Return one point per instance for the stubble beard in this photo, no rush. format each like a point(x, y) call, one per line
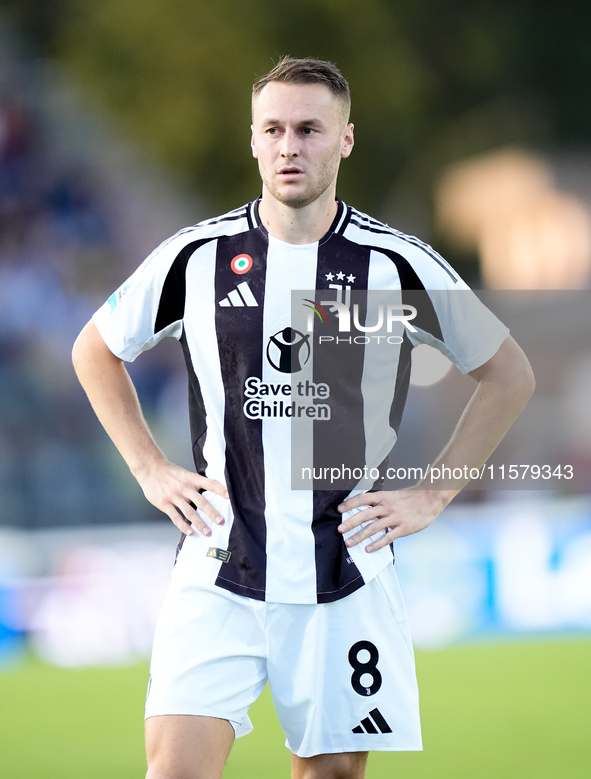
point(324, 181)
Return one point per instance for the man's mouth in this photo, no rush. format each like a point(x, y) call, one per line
point(290, 172)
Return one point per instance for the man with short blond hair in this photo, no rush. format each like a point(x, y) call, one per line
point(294, 587)
point(307, 71)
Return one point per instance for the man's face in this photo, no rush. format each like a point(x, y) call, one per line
point(299, 135)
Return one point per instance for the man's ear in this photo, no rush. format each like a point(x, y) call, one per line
point(348, 141)
point(254, 153)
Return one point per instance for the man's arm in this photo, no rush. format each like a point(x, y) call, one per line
point(171, 489)
point(505, 384)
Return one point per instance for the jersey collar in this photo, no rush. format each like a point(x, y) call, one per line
point(338, 224)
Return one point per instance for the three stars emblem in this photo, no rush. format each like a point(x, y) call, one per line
point(340, 276)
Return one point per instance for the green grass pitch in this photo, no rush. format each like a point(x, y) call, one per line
point(518, 710)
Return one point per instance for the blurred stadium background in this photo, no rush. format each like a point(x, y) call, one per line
point(120, 124)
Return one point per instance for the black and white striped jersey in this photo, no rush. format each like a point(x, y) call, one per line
point(298, 359)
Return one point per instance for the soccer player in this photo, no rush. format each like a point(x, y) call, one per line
point(294, 587)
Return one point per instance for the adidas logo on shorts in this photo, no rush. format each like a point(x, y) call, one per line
point(375, 723)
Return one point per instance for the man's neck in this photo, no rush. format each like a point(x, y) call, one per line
point(297, 225)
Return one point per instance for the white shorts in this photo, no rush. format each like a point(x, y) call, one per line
point(342, 674)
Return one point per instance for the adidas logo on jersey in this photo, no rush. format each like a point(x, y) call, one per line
point(241, 296)
point(373, 724)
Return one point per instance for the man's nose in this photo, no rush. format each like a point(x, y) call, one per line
point(290, 146)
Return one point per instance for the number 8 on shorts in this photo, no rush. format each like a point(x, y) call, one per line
point(364, 669)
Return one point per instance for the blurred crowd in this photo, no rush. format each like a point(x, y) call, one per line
point(60, 258)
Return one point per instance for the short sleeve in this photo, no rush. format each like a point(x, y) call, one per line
point(467, 332)
point(127, 321)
